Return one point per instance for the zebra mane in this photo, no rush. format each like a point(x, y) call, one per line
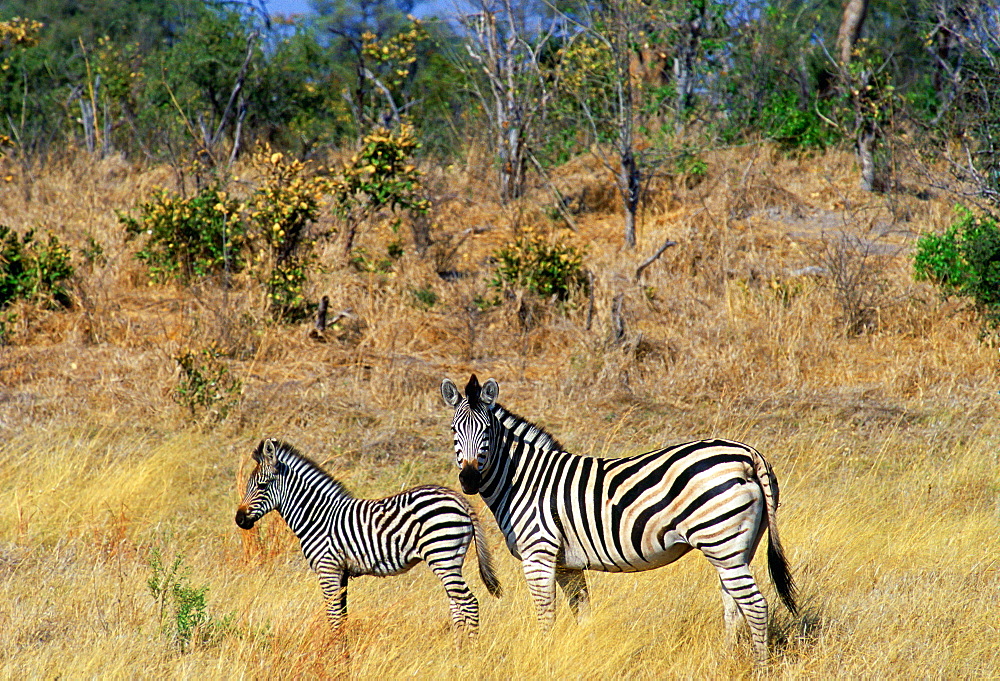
point(525, 430)
point(303, 465)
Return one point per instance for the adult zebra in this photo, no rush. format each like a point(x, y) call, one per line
point(344, 537)
point(563, 513)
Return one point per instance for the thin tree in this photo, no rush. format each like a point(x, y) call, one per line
point(503, 69)
point(858, 83)
point(609, 108)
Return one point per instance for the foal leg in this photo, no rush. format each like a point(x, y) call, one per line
point(462, 603)
point(334, 584)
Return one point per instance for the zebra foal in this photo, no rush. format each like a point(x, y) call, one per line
point(342, 536)
point(562, 513)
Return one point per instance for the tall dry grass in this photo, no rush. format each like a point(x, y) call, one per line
point(885, 443)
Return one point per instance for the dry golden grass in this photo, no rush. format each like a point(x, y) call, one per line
point(885, 444)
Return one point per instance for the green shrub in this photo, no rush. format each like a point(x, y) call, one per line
point(542, 266)
point(188, 237)
point(206, 384)
point(965, 261)
point(211, 232)
point(784, 120)
point(279, 213)
point(189, 622)
point(379, 176)
point(31, 269)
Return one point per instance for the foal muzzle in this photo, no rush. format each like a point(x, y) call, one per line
point(243, 520)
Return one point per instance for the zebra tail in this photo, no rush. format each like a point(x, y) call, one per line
point(777, 564)
point(485, 559)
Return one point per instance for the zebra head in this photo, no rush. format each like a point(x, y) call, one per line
point(261, 496)
point(473, 425)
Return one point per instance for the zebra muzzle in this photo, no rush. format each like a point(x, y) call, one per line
point(242, 520)
point(471, 479)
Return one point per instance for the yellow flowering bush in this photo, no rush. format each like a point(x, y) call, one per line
point(17, 33)
point(545, 266)
point(380, 175)
point(188, 237)
point(279, 213)
point(267, 233)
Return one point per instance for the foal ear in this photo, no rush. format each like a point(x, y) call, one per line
point(258, 450)
point(269, 454)
point(490, 392)
point(449, 391)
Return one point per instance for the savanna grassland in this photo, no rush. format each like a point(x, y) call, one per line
point(882, 428)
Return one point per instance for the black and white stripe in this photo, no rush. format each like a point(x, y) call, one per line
point(344, 537)
point(563, 513)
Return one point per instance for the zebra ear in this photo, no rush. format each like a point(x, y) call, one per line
point(490, 392)
point(269, 454)
point(257, 452)
point(450, 392)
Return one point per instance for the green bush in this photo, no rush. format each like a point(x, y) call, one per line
point(211, 232)
point(188, 237)
point(546, 268)
point(206, 384)
point(279, 214)
point(965, 261)
point(379, 176)
point(32, 269)
point(189, 623)
point(784, 120)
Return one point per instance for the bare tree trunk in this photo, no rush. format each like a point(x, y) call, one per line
point(866, 156)
point(687, 52)
point(508, 53)
point(629, 184)
point(856, 85)
point(850, 28)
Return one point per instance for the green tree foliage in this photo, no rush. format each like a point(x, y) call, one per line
point(351, 26)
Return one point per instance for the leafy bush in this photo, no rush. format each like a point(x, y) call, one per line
point(211, 232)
point(205, 383)
point(784, 120)
point(379, 176)
point(189, 623)
point(965, 261)
point(188, 237)
point(544, 267)
point(30, 269)
point(279, 214)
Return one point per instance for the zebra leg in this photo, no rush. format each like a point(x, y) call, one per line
point(731, 612)
point(540, 573)
point(462, 603)
point(334, 585)
point(574, 585)
point(738, 585)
